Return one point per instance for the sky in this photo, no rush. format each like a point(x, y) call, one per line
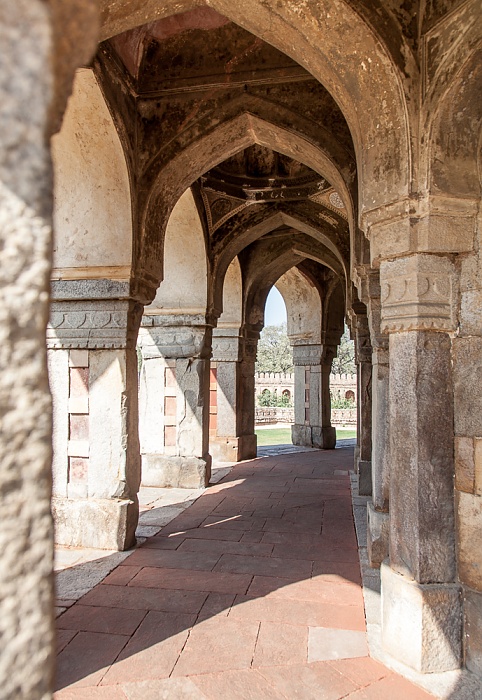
point(275, 310)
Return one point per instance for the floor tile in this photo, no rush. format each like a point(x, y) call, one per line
point(87, 618)
point(281, 645)
point(237, 685)
point(327, 644)
point(264, 566)
point(182, 579)
point(87, 657)
point(309, 682)
point(218, 644)
point(164, 689)
point(153, 650)
point(160, 599)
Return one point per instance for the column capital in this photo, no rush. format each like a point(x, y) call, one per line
point(306, 355)
point(226, 345)
point(418, 293)
point(93, 324)
point(156, 339)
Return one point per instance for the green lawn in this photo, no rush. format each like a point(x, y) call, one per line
point(282, 436)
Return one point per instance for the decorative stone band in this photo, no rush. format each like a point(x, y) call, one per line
point(175, 342)
point(307, 355)
point(417, 294)
point(226, 349)
point(93, 324)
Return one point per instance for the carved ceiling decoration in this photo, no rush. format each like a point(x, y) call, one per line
point(261, 176)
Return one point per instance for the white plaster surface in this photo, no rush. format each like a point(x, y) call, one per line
point(303, 307)
point(232, 296)
point(185, 268)
point(92, 211)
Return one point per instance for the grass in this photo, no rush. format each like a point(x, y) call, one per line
point(282, 436)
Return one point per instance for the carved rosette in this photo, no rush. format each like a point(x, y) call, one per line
point(417, 293)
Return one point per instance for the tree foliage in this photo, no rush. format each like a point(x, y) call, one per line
point(274, 351)
point(344, 363)
point(271, 398)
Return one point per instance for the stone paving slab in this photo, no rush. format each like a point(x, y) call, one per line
point(251, 591)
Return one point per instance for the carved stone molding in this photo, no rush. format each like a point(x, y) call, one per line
point(226, 348)
point(307, 355)
point(417, 294)
point(92, 324)
point(175, 342)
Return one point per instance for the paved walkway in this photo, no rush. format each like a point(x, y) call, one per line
point(252, 592)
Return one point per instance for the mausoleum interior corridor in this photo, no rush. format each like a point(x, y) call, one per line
point(163, 165)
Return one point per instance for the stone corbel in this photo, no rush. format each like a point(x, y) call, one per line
point(307, 355)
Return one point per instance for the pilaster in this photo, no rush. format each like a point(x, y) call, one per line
point(93, 366)
point(417, 294)
point(174, 396)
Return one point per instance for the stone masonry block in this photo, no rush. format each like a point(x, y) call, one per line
point(464, 464)
point(469, 536)
point(378, 530)
point(473, 631)
point(421, 623)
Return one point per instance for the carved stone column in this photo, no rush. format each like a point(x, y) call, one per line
point(247, 400)
point(378, 518)
point(174, 399)
point(363, 358)
point(93, 376)
point(307, 428)
point(421, 601)
point(227, 442)
point(327, 430)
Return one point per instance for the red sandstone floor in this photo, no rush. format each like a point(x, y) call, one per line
point(252, 593)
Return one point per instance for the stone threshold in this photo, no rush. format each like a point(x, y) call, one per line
point(451, 685)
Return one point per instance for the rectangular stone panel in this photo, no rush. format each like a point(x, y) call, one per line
point(170, 406)
point(79, 382)
point(171, 377)
point(79, 358)
point(170, 435)
point(469, 536)
point(79, 426)
point(464, 464)
point(467, 363)
point(78, 469)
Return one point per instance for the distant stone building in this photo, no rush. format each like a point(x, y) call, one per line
point(342, 386)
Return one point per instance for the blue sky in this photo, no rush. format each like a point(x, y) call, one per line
point(275, 310)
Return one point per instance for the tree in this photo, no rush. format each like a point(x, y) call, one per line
point(344, 363)
point(274, 351)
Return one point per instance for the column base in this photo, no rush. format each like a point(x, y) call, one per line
point(233, 449)
point(301, 435)
point(364, 470)
point(473, 630)
point(328, 437)
point(97, 523)
point(378, 532)
point(164, 471)
point(421, 623)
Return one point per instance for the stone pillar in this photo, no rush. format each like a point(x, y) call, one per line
point(93, 377)
point(328, 431)
point(174, 398)
point(306, 430)
point(378, 518)
point(421, 601)
point(247, 399)
point(363, 358)
point(227, 442)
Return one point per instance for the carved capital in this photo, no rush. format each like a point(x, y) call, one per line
point(226, 348)
point(417, 294)
point(175, 342)
point(307, 355)
point(93, 324)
